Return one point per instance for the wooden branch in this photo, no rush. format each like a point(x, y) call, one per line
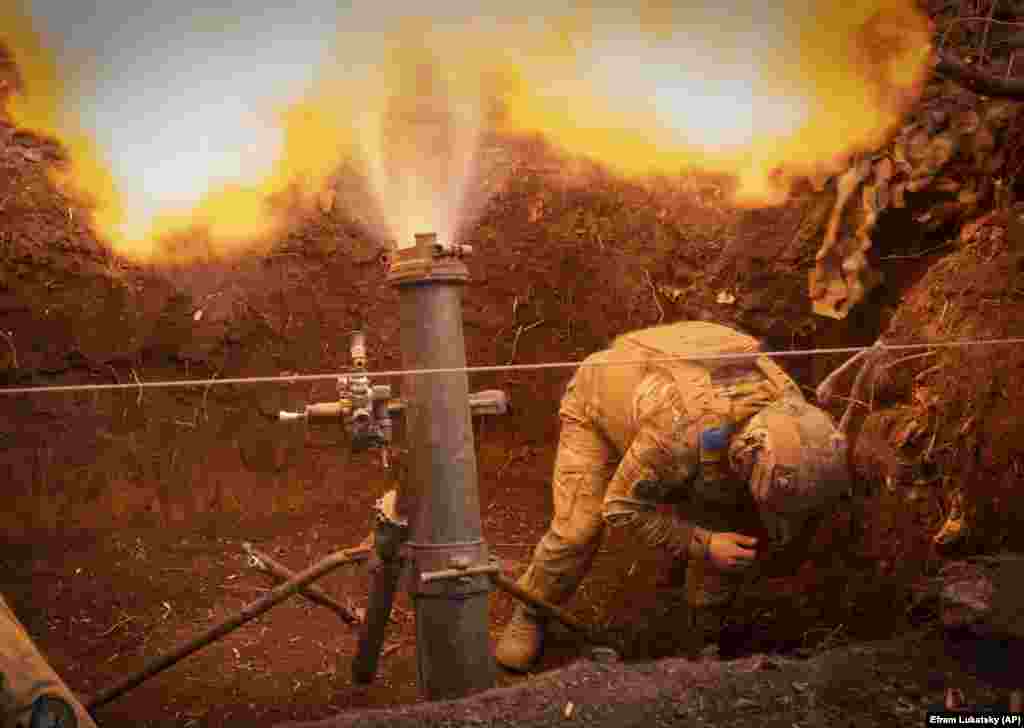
point(248, 613)
point(312, 592)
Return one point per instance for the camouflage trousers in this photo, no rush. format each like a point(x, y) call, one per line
point(25, 675)
point(584, 464)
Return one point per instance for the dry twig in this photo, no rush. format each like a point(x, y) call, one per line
point(978, 81)
point(138, 401)
point(10, 342)
point(908, 358)
point(519, 332)
point(654, 294)
point(983, 50)
point(266, 563)
point(520, 454)
point(874, 355)
point(206, 393)
point(854, 401)
point(988, 20)
point(243, 587)
point(829, 640)
point(824, 391)
point(914, 256)
point(115, 626)
point(931, 445)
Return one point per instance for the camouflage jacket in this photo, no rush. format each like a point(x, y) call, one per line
point(671, 421)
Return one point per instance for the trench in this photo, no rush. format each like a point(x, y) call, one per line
point(134, 505)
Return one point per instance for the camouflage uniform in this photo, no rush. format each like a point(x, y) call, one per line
point(636, 435)
point(25, 675)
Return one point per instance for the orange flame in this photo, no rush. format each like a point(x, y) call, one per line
point(764, 95)
point(87, 173)
point(230, 219)
point(763, 98)
point(233, 219)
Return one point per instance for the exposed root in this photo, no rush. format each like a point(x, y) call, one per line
point(825, 390)
point(10, 342)
point(931, 445)
point(654, 295)
point(523, 328)
point(874, 356)
point(206, 393)
point(978, 81)
point(908, 358)
point(518, 455)
point(915, 256)
point(831, 639)
point(138, 400)
point(117, 625)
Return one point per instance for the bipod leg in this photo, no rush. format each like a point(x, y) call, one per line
point(384, 584)
point(389, 535)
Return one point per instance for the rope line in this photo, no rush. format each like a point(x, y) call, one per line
point(294, 379)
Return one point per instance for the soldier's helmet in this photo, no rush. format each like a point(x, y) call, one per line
point(796, 459)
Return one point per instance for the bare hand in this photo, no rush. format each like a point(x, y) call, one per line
point(732, 551)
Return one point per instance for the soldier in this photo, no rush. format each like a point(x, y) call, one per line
point(32, 695)
point(731, 439)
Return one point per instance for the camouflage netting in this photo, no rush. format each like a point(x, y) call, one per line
point(953, 151)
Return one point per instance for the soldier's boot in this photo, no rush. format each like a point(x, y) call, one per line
point(522, 641)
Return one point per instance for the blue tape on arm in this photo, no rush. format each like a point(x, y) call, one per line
point(716, 438)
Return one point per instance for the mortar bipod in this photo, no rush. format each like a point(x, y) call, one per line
point(390, 533)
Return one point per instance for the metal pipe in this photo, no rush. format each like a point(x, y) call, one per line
point(454, 656)
point(247, 614)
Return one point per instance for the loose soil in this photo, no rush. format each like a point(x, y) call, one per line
point(127, 510)
point(887, 683)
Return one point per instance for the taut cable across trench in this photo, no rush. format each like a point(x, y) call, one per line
point(294, 379)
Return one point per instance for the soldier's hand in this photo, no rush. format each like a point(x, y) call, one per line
point(749, 398)
point(732, 551)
